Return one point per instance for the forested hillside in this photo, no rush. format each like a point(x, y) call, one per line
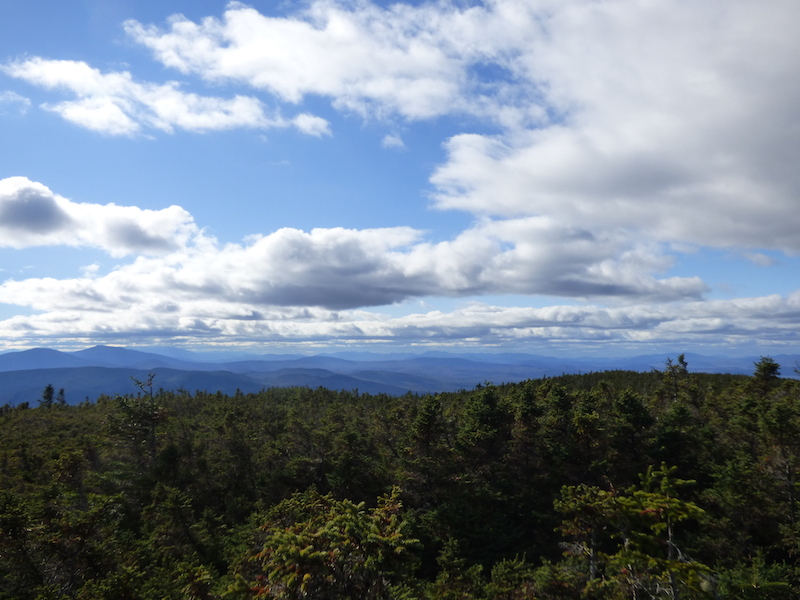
point(605, 485)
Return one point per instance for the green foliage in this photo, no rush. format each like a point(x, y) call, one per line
point(765, 376)
point(767, 370)
point(457, 580)
point(197, 495)
point(319, 547)
point(627, 538)
point(47, 397)
point(759, 580)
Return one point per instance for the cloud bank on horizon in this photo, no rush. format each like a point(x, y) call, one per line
point(600, 144)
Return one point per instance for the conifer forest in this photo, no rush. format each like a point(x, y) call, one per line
point(614, 485)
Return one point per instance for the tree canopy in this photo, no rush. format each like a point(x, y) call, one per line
point(611, 485)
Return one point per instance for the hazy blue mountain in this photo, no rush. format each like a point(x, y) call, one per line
point(39, 358)
point(84, 383)
point(370, 356)
point(315, 378)
point(410, 383)
point(304, 362)
point(113, 356)
point(89, 383)
point(108, 370)
point(217, 356)
point(195, 356)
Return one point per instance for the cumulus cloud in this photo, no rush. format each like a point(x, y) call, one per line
point(115, 104)
point(32, 215)
point(533, 256)
point(417, 62)
point(623, 130)
point(312, 125)
point(337, 267)
point(297, 287)
point(673, 121)
point(677, 123)
point(30, 209)
point(770, 320)
point(347, 269)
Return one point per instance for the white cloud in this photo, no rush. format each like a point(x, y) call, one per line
point(32, 215)
point(392, 140)
point(312, 125)
point(673, 121)
point(98, 114)
point(324, 269)
point(677, 126)
point(769, 320)
point(115, 104)
point(90, 271)
point(760, 259)
point(13, 103)
point(533, 256)
point(295, 287)
point(624, 130)
point(413, 61)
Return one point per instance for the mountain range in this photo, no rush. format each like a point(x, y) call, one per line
point(109, 370)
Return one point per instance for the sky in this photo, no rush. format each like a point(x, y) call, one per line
point(550, 176)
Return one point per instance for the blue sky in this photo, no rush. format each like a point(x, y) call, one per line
point(561, 177)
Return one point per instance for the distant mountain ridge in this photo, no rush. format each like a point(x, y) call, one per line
point(89, 373)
